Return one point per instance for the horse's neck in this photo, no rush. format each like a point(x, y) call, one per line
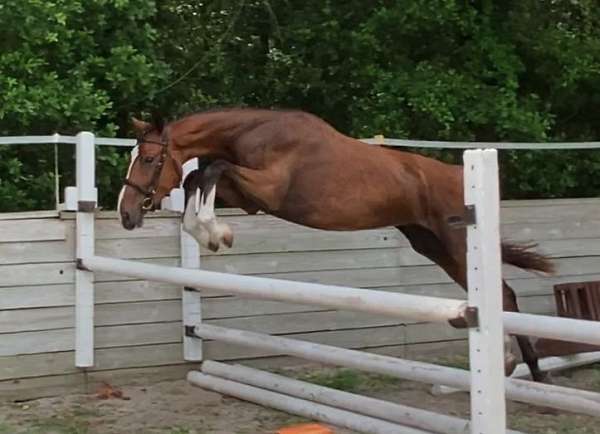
point(213, 134)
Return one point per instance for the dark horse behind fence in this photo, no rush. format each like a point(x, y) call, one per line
point(295, 166)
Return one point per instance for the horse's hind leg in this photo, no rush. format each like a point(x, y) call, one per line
point(453, 262)
point(528, 353)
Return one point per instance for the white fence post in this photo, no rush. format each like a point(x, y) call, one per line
point(84, 279)
point(191, 302)
point(486, 341)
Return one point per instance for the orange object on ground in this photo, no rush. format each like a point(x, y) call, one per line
point(305, 428)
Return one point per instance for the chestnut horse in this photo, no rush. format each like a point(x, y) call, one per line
point(295, 166)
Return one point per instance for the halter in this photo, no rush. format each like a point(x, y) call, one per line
point(150, 191)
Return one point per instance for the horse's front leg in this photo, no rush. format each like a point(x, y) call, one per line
point(191, 224)
point(199, 219)
point(218, 233)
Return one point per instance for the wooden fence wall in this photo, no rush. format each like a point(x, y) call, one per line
point(138, 323)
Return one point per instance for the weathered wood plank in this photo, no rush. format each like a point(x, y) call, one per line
point(523, 203)
point(265, 238)
point(563, 230)
point(36, 296)
point(58, 363)
point(549, 213)
point(263, 263)
point(37, 252)
point(20, 320)
point(37, 365)
point(37, 274)
point(109, 229)
point(27, 215)
point(12, 231)
point(52, 341)
point(88, 382)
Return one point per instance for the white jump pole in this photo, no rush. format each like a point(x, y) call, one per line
point(308, 409)
point(84, 279)
point(563, 398)
point(552, 327)
point(403, 306)
point(547, 364)
point(484, 276)
point(393, 412)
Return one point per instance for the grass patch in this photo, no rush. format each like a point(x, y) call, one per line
point(6, 429)
point(59, 425)
point(350, 380)
point(553, 424)
point(341, 379)
point(181, 431)
point(459, 361)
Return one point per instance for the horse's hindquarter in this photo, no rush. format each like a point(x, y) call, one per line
point(350, 185)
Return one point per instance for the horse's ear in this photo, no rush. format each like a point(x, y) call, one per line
point(139, 126)
point(158, 121)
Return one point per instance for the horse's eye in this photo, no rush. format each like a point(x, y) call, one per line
point(148, 160)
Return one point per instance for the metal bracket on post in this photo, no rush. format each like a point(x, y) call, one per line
point(189, 331)
point(86, 205)
point(80, 266)
point(471, 316)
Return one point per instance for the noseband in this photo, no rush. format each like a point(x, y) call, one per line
point(150, 191)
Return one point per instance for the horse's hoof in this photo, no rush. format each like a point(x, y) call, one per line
point(510, 364)
point(227, 236)
point(228, 240)
point(224, 234)
point(543, 377)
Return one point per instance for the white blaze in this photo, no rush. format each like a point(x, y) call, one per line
point(134, 154)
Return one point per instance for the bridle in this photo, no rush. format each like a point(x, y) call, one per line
point(150, 191)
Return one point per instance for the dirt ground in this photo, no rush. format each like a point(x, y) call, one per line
point(178, 408)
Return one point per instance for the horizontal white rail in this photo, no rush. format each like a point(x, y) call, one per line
point(58, 138)
point(552, 327)
point(393, 412)
point(403, 306)
point(577, 401)
point(547, 364)
point(402, 143)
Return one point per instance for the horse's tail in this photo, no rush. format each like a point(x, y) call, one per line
point(523, 256)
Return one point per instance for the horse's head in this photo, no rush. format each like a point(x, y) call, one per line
point(154, 170)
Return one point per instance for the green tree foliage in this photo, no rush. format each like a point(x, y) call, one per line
point(66, 66)
point(524, 70)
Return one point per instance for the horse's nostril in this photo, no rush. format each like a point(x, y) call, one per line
point(125, 215)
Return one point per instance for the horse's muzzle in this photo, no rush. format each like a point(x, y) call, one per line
point(130, 222)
